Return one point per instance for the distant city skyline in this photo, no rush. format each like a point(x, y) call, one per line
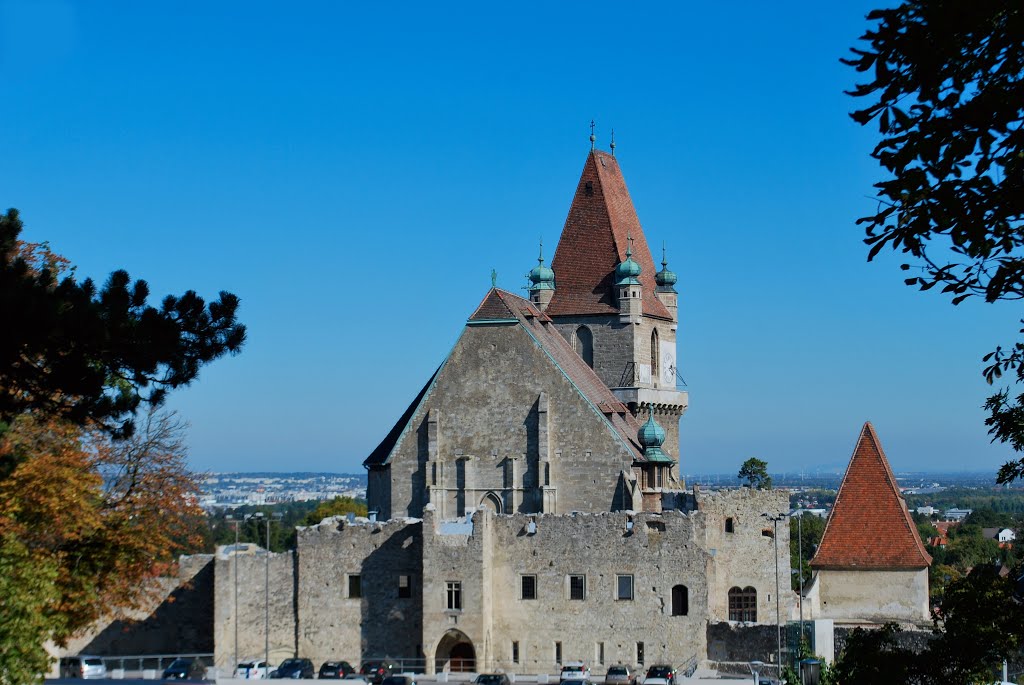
point(354, 174)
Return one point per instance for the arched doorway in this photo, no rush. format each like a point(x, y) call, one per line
point(455, 653)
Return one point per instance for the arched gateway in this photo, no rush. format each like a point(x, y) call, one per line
point(455, 653)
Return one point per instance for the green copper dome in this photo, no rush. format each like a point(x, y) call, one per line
point(541, 277)
point(665, 278)
point(652, 437)
point(627, 272)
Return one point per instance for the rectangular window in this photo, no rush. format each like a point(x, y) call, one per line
point(528, 587)
point(454, 596)
point(623, 587)
point(639, 653)
point(355, 587)
point(404, 587)
point(515, 651)
point(558, 652)
point(577, 587)
point(600, 653)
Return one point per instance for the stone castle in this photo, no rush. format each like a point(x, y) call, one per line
point(528, 503)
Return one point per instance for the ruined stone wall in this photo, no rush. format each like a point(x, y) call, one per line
point(177, 619)
point(485, 402)
point(251, 614)
point(745, 557)
point(659, 552)
point(383, 620)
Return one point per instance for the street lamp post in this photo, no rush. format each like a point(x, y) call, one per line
point(778, 613)
point(266, 592)
point(234, 566)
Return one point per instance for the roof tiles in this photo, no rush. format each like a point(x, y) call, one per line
point(594, 240)
point(870, 527)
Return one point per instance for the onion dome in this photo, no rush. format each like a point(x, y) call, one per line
point(541, 277)
point(628, 272)
point(665, 279)
point(652, 437)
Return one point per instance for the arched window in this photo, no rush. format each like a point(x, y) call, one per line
point(743, 604)
point(655, 374)
point(583, 343)
point(680, 600)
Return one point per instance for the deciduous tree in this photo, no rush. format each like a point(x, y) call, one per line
point(946, 89)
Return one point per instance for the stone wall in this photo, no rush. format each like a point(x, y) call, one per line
point(870, 596)
point(490, 442)
point(252, 614)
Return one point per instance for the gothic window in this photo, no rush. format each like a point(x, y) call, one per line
point(655, 374)
point(743, 604)
point(680, 600)
point(583, 343)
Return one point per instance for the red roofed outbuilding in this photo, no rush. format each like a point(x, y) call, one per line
point(871, 565)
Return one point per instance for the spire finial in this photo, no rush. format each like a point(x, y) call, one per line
point(613, 142)
point(540, 255)
point(494, 278)
point(592, 137)
point(664, 256)
point(629, 245)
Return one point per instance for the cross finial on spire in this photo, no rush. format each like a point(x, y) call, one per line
point(613, 142)
point(592, 137)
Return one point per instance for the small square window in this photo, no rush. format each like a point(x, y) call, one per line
point(623, 587)
point(528, 585)
point(404, 587)
point(577, 587)
point(454, 596)
point(355, 587)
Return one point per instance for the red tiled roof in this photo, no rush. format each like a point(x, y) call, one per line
point(870, 527)
point(594, 240)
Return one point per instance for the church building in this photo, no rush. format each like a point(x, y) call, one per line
point(527, 507)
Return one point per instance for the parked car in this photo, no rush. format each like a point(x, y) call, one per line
point(574, 670)
point(575, 681)
point(335, 670)
point(81, 666)
point(377, 671)
point(252, 669)
point(398, 680)
point(294, 668)
point(620, 674)
point(662, 671)
point(492, 679)
point(184, 669)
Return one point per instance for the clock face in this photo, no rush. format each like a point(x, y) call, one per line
point(668, 368)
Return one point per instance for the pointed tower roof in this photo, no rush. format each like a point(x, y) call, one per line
point(870, 527)
point(595, 239)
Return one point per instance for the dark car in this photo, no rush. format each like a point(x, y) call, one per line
point(377, 671)
point(398, 680)
point(293, 668)
point(335, 670)
point(184, 669)
point(492, 679)
point(662, 671)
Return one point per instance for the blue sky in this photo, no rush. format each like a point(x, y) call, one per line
point(354, 171)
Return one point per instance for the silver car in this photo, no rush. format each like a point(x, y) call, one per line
point(84, 667)
point(620, 674)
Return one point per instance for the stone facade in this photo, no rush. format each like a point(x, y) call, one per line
point(677, 566)
point(871, 597)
